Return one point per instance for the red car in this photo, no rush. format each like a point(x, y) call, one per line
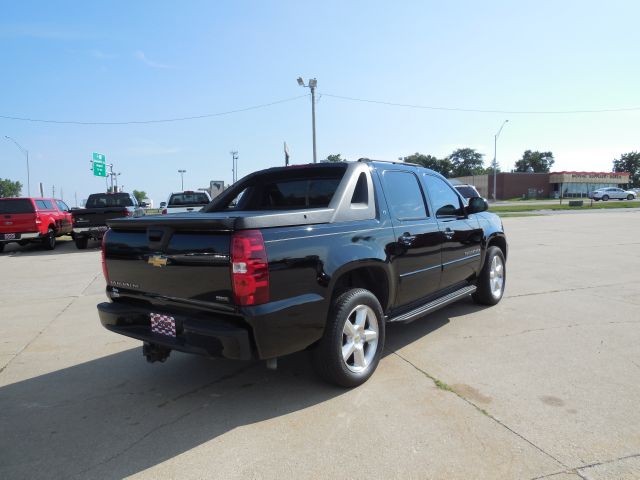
point(25, 220)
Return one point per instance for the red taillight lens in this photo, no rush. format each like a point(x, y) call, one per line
point(127, 213)
point(249, 268)
point(105, 272)
point(38, 221)
point(164, 211)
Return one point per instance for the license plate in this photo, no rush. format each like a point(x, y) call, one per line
point(9, 236)
point(163, 324)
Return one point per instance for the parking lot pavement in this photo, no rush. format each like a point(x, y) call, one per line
point(544, 385)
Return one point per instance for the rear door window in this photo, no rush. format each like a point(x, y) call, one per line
point(44, 205)
point(21, 205)
point(404, 195)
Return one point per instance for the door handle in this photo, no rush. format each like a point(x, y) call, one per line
point(448, 233)
point(406, 239)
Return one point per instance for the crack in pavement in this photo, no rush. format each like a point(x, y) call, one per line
point(153, 430)
point(564, 290)
point(479, 409)
point(37, 335)
point(574, 470)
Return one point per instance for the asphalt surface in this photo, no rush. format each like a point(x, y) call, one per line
point(544, 385)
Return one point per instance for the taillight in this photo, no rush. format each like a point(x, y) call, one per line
point(249, 268)
point(38, 221)
point(127, 213)
point(105, 272)
point(164, 211)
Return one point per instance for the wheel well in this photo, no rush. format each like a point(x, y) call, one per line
point(373, 279)
point(499, 242)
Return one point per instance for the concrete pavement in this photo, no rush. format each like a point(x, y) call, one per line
point(544, 385)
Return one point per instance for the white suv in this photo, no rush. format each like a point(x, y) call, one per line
point(605, 194)
point(188, 201)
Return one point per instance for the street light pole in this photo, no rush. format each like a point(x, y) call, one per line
point(26, 153)
point(182, 172)
point(313, 83)
point(495, 158)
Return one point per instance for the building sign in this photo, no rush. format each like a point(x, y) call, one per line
point(589, 177)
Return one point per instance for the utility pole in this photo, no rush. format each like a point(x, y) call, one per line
point(53, 191)
point(182, 172)
point(25, 152)
point(313, 83)
point(495, 160)
point(234, 165)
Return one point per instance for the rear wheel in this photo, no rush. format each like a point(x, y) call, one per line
point(49, 241)
point(492, 279)
point(605, 198)
point(1, 247)
point(81, 242)
point(352, 344)
point(629, 197)
point(22, 243)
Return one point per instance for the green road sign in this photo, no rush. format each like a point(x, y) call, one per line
point(99, 157)
point(99, 169)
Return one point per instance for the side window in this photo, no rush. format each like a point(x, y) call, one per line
point(444, 200)
point(404, 195)
point(62, 206)
point(44, 205)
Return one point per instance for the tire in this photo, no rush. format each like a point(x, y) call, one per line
point(605, 198)
point(81, 242)
point(1, 247)
point(361, 310)
point(23, 243)
point(49, 241)
point(629, 197)
point(492, 278)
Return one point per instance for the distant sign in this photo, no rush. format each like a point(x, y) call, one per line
point(99, 169)
point(99, 157)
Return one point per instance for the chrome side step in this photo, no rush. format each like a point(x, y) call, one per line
point(433, 305)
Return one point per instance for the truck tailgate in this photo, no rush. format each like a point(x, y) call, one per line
point(96, 217)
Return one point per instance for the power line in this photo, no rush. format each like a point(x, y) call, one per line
point(164, 120)
point(476, 110)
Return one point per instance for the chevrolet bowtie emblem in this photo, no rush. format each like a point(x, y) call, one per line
point(157, 260)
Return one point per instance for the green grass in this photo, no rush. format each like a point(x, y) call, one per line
point(564, 206)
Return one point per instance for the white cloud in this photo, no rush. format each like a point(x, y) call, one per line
point(139, 54)
point(100, 55)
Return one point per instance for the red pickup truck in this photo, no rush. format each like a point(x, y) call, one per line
point(25, 220)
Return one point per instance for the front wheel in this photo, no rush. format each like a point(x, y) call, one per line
point(352, 344)
point(49, 241)
point(492, 279)
point(605, 198)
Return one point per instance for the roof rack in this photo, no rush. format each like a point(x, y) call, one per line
point(395, 162)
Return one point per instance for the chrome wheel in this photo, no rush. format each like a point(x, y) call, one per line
point(496, 276)
point(360, 338)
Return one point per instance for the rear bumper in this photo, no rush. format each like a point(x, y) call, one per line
point(94, 232)
point(195, 334)
point(20, 236)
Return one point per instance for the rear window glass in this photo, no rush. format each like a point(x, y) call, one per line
point(109, 200)
point(188, 198)
point(284, 190)
point(16, 206)
point(44, 205)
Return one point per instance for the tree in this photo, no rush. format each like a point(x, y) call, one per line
point(466, 161)
point(539, 162)
point(333, 158)
point(440, 165)
point(9, 188)
point(629, 162)
point(140, 195)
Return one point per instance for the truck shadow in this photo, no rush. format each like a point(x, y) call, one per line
point(118, 415)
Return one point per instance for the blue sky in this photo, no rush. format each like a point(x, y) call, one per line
point(121, 61)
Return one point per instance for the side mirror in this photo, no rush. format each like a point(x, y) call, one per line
point(477, 205)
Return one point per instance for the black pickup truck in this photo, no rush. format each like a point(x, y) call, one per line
point(91, 221)
point(316, 256)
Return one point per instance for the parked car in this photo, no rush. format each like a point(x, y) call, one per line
point(318, 256)
point(467, 191)
point(187, 201)
point(91, 222)
point(605, 194)
point(25, 220)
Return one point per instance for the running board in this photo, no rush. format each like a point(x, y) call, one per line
point(434, 305)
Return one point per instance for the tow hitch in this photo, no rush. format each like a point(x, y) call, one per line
point(155, 353)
